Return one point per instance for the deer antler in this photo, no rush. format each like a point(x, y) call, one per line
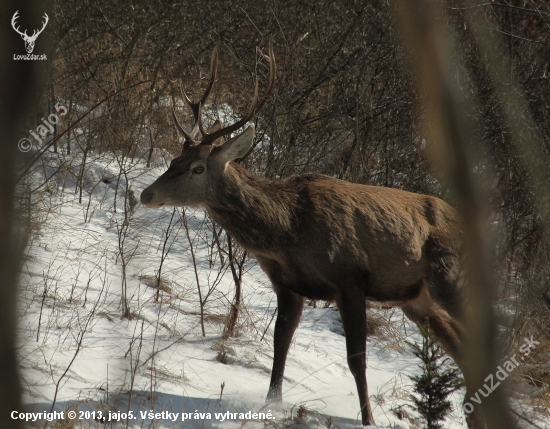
point(36, 33)
point(255, 107)
point(24, 34)
point(188, 138)
point(13, 19)
point(196, 107)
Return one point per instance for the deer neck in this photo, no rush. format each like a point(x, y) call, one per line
point(255, 211)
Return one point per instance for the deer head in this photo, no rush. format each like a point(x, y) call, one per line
point(29, 40)
point(192, 176)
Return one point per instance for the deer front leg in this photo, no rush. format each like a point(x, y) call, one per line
point(352, 309)
point(290, 306)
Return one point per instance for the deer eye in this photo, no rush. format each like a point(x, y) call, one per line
point(198, 170)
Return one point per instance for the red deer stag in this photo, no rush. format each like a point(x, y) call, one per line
point(321, 238)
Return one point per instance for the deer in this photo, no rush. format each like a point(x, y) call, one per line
point(29, 40)
point(320, 238)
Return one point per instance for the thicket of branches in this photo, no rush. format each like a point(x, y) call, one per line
point(343, 105)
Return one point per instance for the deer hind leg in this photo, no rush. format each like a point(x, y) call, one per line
point(443, 319)
point(448, 292)
point(352, 309)
point(424, 309)
point(290, 306)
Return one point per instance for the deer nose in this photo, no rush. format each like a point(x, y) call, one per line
point(147, 196)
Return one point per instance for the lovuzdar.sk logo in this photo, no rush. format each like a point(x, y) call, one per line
point(29, 40)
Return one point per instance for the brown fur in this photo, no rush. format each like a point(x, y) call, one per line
point(312, 233)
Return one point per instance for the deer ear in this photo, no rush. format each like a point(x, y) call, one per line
point(236, 147)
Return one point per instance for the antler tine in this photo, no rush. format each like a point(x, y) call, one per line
point(46, 20)
point(13, 24)
point(186, 97)
point(272, 73)
point(255, 107)
point(201, 128)
point(213, 73)
point(210, 138)
point(196, 107)
point(178, 125)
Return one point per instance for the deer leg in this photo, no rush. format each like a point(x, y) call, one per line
point(352, 311)
point(290, 306)
point(448, 330)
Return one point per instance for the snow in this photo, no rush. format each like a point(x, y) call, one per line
point(76, 349)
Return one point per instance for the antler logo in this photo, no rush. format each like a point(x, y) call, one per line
point(29, 40)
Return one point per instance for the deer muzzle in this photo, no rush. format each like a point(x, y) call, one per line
point(149, 197)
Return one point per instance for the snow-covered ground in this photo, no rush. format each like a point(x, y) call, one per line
point(78, 353)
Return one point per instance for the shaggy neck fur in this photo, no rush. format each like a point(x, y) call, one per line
point(255, 211)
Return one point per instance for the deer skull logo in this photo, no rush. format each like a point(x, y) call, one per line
point(29, 40)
